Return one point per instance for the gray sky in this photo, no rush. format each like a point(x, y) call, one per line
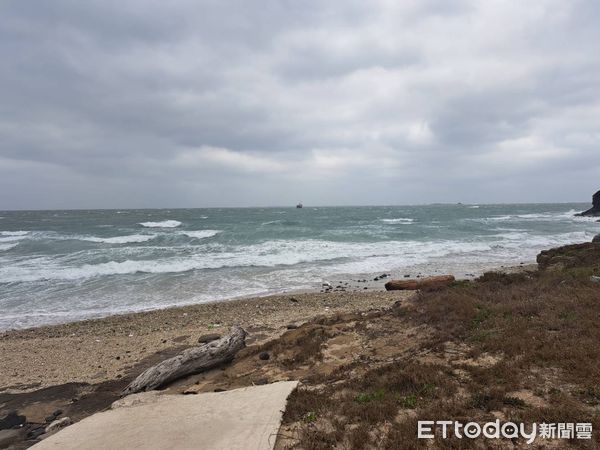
point(154, 103)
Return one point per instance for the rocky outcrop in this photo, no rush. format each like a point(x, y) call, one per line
point(570, 256)
point(595, 209)
point(411, 285)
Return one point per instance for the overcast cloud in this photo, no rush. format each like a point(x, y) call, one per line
point(148, 103)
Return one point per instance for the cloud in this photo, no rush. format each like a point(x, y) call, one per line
point(150, 103)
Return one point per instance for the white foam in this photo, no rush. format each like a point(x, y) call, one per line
point(163, 224)
point(403, 220)
point(544, 217)
point(201, 234)
point(474, 206)
point(4, 247)
point(120, 239)
point(13, 236)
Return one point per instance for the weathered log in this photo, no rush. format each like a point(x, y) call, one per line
point(412, 285)
point(190, 361)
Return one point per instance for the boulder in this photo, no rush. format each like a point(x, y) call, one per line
point(411, 285)
point(595, 209)
point(596, 239)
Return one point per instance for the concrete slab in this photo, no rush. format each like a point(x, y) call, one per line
point(247, 418)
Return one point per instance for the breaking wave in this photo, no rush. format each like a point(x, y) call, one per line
point(201, 234)
point(332, 256)
point(134, 238)
point(163, 224)
point(403, 220)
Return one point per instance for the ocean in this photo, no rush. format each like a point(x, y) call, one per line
point(60, 266)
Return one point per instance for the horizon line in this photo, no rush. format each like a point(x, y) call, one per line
point(294, 206)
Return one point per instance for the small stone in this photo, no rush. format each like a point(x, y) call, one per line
point(291, 326)
point(294, 300)
point(264, 356)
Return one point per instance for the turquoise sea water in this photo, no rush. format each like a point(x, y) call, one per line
point(58, 266)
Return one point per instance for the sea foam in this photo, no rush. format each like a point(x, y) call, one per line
point(403, 220)
point(134, 238)
point(163, 224)
point(201, 234)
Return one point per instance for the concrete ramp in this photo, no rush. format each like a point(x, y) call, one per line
point(247, 418)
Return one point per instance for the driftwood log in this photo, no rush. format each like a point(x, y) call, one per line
point(411, 285)
point(190, 361)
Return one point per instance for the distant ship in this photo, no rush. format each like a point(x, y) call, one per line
point(299, 205)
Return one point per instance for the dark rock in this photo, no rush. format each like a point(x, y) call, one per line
point(595, 209)
point(36, 433)
point(407, 276)
point(57, 413)
point(264, 356)
point(376, 279)
point(596, 239)
point(219, 390)
point(206, 338)
point(294, 300)
point(11, 420)
point(261, 381)
point(291, 326)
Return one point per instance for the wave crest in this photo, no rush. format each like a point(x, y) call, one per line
point(120, 239)
point(201, 234)
point(163, 224)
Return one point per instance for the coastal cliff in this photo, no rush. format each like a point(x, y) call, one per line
point(595, 209)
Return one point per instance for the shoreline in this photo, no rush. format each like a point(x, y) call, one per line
point(97, 350)
point(106, 348)
point(345, 285)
